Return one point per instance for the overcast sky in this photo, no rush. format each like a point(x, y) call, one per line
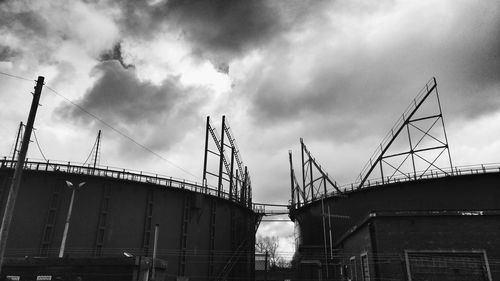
point(337, 73)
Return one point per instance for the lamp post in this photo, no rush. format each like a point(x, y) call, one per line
point(70, 209)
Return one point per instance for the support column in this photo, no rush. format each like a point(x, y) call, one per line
point(221, 159)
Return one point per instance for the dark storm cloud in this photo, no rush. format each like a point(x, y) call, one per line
point(115, 54)
point(7, 53)
point(225, 26)
point(122, 100)
point(19, 19)
point(218, 30)
point(47, 32)
point(368, 75)
point(26, 25)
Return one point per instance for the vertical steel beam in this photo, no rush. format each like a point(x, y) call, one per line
point(250, 196)
point(303, 171)
point(231, 181)
point(411, 151)
point(381, 171)
point(236, 193)
point(292, 182)
point(206, 152)
point(444, 128)
point(324, 185)
point(311, 177)
point(221, 156)
point(245, 184)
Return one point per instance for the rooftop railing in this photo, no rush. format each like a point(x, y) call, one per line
point(121, 174)
point(430, 174)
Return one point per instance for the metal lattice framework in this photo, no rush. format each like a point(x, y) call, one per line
point(237, 178)
point(315, 181)
point(426, 139)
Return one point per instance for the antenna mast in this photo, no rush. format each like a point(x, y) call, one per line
point(17, 141)
point(97, 148)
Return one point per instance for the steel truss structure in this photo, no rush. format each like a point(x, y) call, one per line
point(426, 139)
point(237, 178)
point(315, 181)
point(421, 131)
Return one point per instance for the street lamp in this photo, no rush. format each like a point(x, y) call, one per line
point(66, 226)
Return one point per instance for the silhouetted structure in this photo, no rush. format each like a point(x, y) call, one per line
point(407, 217)
point(206, 232)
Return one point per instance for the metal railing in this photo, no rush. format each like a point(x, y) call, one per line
point(116, 173)
point(430, 174)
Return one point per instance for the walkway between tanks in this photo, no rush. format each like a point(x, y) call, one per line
point(266, 210)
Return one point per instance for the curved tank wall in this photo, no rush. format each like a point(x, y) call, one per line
point(198, 232)
point(460, 193)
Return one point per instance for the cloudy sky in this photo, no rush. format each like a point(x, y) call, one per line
point(337, 73)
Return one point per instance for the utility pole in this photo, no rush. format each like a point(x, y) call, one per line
point(18, 172)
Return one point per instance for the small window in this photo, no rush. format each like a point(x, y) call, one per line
point(352, 269)
point(365, 268)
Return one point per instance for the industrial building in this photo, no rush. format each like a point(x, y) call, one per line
point(115, 213)
point(407, 217)
point(411, 215)
point(391, 228)
point(87, 222)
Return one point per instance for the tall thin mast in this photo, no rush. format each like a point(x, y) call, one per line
point(18, 172)
point(17, 141)
point(97, 148)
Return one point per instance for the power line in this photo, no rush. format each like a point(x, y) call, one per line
point(15, 76)
point(121, 133)
point(107, 125)
point(38, 145)
point(90, 154)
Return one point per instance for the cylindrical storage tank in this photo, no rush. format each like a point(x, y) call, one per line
point(476, 191)
point(326, 223)
point(202, 234)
